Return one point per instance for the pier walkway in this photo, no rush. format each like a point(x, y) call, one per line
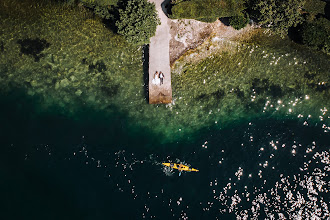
point(159, 60)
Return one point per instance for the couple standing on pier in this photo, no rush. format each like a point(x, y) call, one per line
point(158, 78)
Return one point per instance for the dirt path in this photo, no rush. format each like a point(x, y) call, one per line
point(159, 59)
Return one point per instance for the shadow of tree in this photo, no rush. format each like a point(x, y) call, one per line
point(225, 21)
point(327, 10)
point(166, 7)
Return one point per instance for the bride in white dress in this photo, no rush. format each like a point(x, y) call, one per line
point(156, 79)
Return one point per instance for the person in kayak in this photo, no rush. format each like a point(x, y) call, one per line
point(180, 169)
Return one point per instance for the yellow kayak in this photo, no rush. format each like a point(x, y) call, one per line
point(180, 167)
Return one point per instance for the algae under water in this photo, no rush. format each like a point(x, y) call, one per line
point(79, 140)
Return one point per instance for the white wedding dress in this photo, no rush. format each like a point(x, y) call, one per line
point(156, 81)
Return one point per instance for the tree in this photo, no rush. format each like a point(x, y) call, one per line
point(239, 21)
point(280, 15)
point(138, 21)
point(316, 34)
point(314, 7)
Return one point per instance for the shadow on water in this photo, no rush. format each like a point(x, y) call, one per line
point(225, 21)
point(327, 10)
point(2, 47)
point(33, 47)
point(295, 34)
point(146, 71)
point(166, 7)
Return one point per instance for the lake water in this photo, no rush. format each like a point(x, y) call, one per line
point(92, 167)
point(79, 141)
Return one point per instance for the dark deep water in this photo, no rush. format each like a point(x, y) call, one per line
point(93, 166)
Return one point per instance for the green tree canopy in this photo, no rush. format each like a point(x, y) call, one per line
point(239, 21)
point(280, 15)
point(314, 7)
point(316, 34)
point(138, 21)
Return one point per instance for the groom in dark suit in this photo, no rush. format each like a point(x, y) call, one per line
point(161, 77)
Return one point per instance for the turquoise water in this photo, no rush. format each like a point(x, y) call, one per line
point(79, 141)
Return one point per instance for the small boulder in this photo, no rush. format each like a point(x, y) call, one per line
point(64, 82)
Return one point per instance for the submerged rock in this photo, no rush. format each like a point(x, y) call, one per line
point(98, 66)
point(78, 92)
point(64, 83)
point(110, 90)
point(71, 70)
point(57, 85)
point(73, 78)
point(34, 83)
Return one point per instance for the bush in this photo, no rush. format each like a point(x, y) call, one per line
point(102, 8)
point(138, 21)
point(317, 34)
point(239, 21)
point(103, 12)
point(99, 2)
point(314, 7)
point(280, 15)
point(207, 10)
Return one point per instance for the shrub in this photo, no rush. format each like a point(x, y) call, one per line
point(314, 7)
point(103, 12)
point(280, 15)
point(239, 21)
point(138, 21)
point(207, 10)
point(317, 34)
point(100, 2)
point(102, 8)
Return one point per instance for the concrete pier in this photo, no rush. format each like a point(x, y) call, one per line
point(159, 60)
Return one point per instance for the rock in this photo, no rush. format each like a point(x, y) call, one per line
point(64, 82)
point(52, 65)
point(91, 98)
point(33, 83)
point(57, 85)
point(31, 92)
point(78, 92)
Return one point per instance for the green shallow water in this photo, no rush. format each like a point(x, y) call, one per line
point(87, 66)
